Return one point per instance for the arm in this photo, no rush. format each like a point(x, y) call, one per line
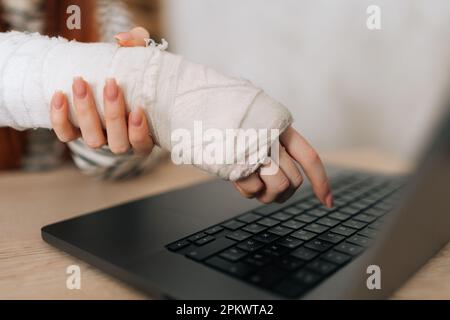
point(174, 93)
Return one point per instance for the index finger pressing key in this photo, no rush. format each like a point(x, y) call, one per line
point(299, 149)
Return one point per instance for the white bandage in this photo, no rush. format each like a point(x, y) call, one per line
point(173, 91)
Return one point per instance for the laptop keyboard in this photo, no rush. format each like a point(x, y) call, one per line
point(290, 250)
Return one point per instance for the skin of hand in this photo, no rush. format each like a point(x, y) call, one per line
point(124, 131)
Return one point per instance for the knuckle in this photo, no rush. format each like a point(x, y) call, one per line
point(247, 195)
point(112, 116)
point(297, 181)
point(95, 144)
point(121, 149)
point(65, 138)
point(139, 139)
point(57, 121)
point(282, 185)
point(83, 110)
point(256, 188)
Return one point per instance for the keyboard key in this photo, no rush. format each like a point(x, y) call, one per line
point(268, 222)
point(354, 224)
point(359, 240)
point(239, 235)
point(304, 254)
point(178, 245)
point(365, 217)
point(293, 210)
point(293, 224)
point(289, 289)
point(267, 209)
point(343, 230)
point(205, 240)
point(317, 212)
point(305, 218)
point(360, 205)
point(367, 232)
point(366, 201)
point(236, 269)
point(214, 230)
point(321, 266)
point(197, 236)
point(313, 200)
point(266, 237)
point(268, 277)
point(275, 250)
point(339, 216)
point(323, 208)
point(249, 217)
point(331, 237)
point(279, 230)
point(250, 245)
point(349, 248)
point(259, 259)
point(336, 257)
point(303, 235)
point(233, 224)
point(339, 202)
point(349, 210)
point(282, 216)
point(318, 245)
point(375, 212)
point(328, 222)
point(304, 205)
point(307, 278)
point(317, 228)
point(254, 228)
point(233, 254)
point(290, 263)
point(209, 249)
point(290, 242)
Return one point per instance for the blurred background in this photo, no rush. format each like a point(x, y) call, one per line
point(347, 87)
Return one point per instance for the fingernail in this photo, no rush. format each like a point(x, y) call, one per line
point(79, 87)
point(58, 100)
point(123, 36)
point(111, 89)
point(140, 32)
point(329, 200)
point(136, 118)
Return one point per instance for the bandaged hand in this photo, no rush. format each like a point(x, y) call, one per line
point(173, 93)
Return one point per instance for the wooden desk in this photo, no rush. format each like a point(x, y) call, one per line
point(31, 269)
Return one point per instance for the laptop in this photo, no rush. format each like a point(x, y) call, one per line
point(207, 242)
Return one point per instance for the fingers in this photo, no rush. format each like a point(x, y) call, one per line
point(292, 173)
point(115, 117)
point(250, 187)
point(275, 185)
point(268, 188)
point(87, 116)
point(59, 117)
point(139, 133)
point(301, 151)
point(133, 38)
